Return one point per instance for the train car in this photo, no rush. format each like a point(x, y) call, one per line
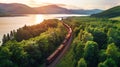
point(68, 36)
point(61, 47)
point(66, 26)
point(52, 57)
point(70, 30)
point(64, 42)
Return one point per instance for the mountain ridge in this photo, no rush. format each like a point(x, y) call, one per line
point(112, 12)
point(17, 8)
point(52, 9)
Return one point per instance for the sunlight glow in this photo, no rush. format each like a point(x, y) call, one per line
point(39, 19)
point(80, 4)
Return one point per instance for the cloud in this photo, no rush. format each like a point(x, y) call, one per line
point(108, 4)
point(85, 4)
point(101, 4)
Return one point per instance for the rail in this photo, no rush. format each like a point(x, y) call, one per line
point(53, 59)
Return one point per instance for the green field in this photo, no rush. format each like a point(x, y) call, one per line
point(116, 18)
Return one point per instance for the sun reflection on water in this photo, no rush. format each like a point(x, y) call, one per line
point(39, 19)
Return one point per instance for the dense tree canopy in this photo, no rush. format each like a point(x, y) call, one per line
point(26, 48)
point(97, 40)
point(27, 32)
point(82, 63)
point(91, 53)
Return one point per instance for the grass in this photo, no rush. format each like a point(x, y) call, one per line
point(116, 18)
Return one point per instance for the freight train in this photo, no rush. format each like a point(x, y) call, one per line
point(53, 56)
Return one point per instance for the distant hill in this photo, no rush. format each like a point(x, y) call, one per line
point(112, 12)
point(55, 9)
point(82, 11)
point(16, 8)
point(52, 9)
point(2, 13)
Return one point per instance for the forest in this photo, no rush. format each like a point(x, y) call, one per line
point(73, 33)
point(96, 43)
point(27, 32)
point(29, 46)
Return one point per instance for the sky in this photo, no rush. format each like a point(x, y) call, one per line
point(78, 4)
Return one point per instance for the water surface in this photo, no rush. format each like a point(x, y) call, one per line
point(12, 23)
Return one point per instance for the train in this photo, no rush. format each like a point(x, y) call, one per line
point(53, 56)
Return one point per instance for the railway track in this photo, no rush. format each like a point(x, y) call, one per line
point(54, 58)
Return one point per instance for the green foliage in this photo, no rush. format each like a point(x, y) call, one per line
point(78, 50)
point(108, 63)
point(28, 32)
point(96, 43)
point(7, 63)
point(91, 53)
point(97, 40)
point(101, 65)
point(5, 53)
point(101, 39)
point(114, 36)
point(85, 36)
point(31, 51)
point(115, 18)
point(70, 61)
point(4, 40)
point(112, 50)
point(102, 55)
point(112, 12)
point(82, 63)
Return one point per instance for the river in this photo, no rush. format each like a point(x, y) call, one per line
point(12, 23)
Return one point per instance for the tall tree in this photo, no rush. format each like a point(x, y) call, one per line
point(112, 51)
point(91, 53)
point(108, 63)
point(78, 50)
point(82, 63)
point(99, 37)
point(4, 40)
